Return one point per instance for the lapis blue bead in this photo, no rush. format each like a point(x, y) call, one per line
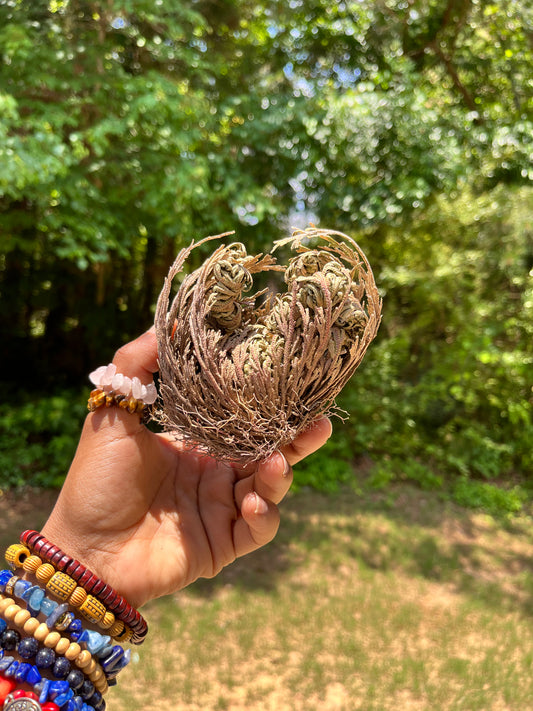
point(74, 636)
point(44, 687)
point(28, 647)
point(87, 690)
point(45, 658)
point(58, 687)
point(105, 652)
point(62, 699)
point(20, 587)
point(3, 625)
point(5, 662)
point(11, 670)
point(61, 668)
point(34, 675)
point(79, 703)
point(117, 654)
point(76, 625)
point(48, 606)
point(76, 679)
point(5, 575)
point(83, 636)
point(22, 671)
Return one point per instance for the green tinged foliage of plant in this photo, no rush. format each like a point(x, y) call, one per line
point(127, 129)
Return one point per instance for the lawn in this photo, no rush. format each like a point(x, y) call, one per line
point(374, 601)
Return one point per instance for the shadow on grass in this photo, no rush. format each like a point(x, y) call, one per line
point(403, 531)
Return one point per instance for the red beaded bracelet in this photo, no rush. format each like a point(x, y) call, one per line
point(86, 579)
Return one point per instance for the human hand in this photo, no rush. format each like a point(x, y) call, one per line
point(150, 516)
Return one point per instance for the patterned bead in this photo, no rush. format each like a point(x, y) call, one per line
point(125, 635)
point(108, 620)
point(116, 629)
point(16, 555)
point(92, 609)
point(44, 572)
point(31, 563)
point(10, 585)
point(78, 597)
point(61, 585)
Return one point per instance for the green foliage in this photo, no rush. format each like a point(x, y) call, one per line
point(328, 469)
point(494, 500)
point(38, 439)
point(127, 129)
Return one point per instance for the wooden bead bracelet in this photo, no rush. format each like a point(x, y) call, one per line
point(105, 594)
point(52, 639)
point(66, 589)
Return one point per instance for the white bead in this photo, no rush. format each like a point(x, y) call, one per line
point(150, 395)
point(96, 376)
point(125, 388)
point(117, 381)
point(110, 371)
point(136, 388)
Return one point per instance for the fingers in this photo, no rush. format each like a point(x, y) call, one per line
point(271, 481)
point(309, 441)
point(139, 357)
point(257, 526)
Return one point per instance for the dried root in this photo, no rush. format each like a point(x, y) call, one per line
point(240, 378)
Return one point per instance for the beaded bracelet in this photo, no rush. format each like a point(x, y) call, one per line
point(65, 588)
point(107, 596)
point(113, 658)
point(44, 658)
point(72, 651)
point(51, 690)
point(14, 699)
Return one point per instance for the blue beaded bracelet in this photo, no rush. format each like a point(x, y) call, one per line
point(112, 657)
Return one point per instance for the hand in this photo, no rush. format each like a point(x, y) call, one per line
point(148, 516)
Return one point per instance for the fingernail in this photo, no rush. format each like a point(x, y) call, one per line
point(286, 466)
point(261, 506)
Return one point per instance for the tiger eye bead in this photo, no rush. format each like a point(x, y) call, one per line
point(61, 586)
point(44, 572)
point(16, 555)
point(78, 597)
point(31, 563)
point(92, 609)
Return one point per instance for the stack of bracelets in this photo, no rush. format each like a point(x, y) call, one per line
point(51, 656)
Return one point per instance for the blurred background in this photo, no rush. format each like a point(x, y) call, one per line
point(127, 129)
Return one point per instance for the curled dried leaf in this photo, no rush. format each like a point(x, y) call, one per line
point(240, 378)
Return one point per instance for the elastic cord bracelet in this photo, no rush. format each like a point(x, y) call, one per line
point(113, 658)
point(36, 659)
point(83, 659)
point(66, 589)
point(98, 589)
point(47, 690)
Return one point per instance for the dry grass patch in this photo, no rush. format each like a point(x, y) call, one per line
point(357, 605)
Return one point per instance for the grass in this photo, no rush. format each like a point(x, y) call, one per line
point(378, 602)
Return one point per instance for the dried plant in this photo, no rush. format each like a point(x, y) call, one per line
point(242, 374)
